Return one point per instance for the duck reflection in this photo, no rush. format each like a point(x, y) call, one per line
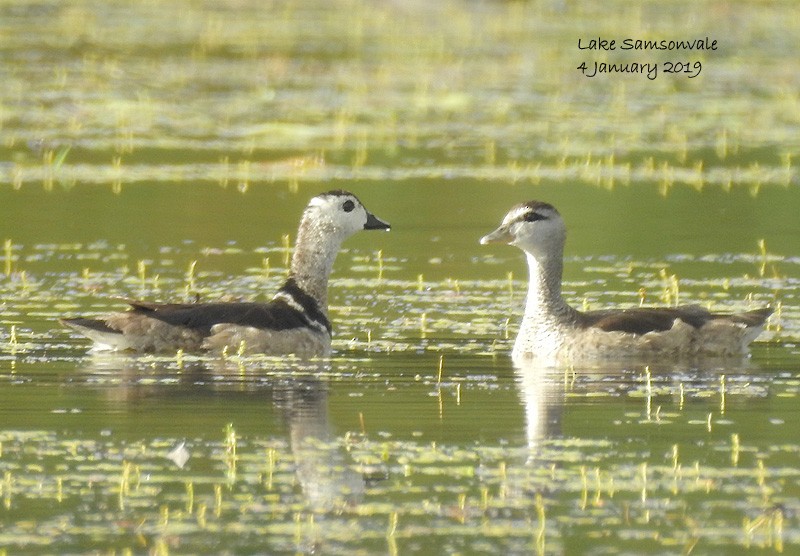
point(547, 391)
point(541, 391)
point(322, 465)
point(294, 389)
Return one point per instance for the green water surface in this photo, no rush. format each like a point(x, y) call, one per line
point(164, 150)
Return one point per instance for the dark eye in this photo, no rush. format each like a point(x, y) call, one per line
point(348, 205)
point(533, 216)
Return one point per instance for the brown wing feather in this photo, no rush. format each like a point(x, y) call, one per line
point(150, 306)
point(756, 317)
point(632, 321)
point(644, 320)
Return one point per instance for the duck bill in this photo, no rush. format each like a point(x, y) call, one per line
point(500, 235)
point(375, 223)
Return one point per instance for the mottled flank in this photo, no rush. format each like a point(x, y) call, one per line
point(272, 328)
point(619, 336)
point(303, 341)
point(551, 329)
point(295, 321)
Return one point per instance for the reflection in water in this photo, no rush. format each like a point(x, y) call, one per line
point(542, 394)
point(323, 471)
point(321, 464)
point(544, 388)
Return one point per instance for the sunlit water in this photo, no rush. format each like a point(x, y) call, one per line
point(166, 153)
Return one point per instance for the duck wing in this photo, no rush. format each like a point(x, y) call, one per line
point(202, 316)
point(751, 319)
point(291, 308)
point(658, 319)
point(278, 314)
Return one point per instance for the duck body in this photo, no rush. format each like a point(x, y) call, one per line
point(675, 332)
point(291, 323)
point(553, 330)
point(294, 321)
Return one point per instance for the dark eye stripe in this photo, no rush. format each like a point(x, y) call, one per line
point(348, 205)
point(533, 216)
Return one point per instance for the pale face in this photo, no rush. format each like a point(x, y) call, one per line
point(341, 213)
point(534, 227)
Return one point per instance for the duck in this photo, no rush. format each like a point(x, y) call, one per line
point(552, 330)
point(294, 321)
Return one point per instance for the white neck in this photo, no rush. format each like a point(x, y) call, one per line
point(312, 261)
point(544, 288)
point(546, 312)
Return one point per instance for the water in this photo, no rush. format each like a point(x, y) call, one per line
point(163, 151)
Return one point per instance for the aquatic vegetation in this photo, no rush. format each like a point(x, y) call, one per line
point(141, 157)
point(506, 496)
point(8, 257)
point(458, 89)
